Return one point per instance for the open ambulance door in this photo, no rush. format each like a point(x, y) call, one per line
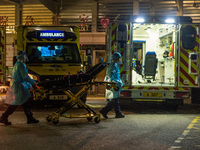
point(2, 55)
point(119, 40)
point(188, 67)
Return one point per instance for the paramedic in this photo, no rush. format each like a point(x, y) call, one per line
point(20, 87)
point(113, 74)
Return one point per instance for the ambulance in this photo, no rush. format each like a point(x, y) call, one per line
point(52, 52)
point(2, 57)
point(160, 57)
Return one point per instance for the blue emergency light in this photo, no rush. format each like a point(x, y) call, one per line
point(52, 34)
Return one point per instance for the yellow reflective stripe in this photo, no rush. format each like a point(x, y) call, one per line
point(194, 65)
point(112, 47)
point(128, 24)
point(185, 68)
point(113, 37)
point(121, 69)
point(148, 100)
point(159, 88)
point(197, 39)
point(2, 41)
point(3, 44)
point(60, 40)
point(114, 26)
point(125, 87)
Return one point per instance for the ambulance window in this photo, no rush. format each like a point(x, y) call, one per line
point(188, 37)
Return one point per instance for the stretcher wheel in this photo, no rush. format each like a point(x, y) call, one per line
point(55, 120)
point(49, 118)
point(89, 118)
point(97, 119)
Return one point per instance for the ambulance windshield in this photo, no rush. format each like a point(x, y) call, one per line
point(54, 53)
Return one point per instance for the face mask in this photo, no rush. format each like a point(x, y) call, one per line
point(25, 58)
point(119, 62)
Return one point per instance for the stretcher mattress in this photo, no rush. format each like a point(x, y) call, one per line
point(76, 79)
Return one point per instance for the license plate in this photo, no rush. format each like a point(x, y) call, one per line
point(148, 94)
point(58, 97)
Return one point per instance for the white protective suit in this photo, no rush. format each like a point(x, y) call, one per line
point(18, 93)
point(113, 74)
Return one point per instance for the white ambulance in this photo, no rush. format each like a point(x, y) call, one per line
point(160, 57)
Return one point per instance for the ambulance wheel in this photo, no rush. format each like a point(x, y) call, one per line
point(55, 120)
point(97, 119)
point(49, 118)
point(89, 118)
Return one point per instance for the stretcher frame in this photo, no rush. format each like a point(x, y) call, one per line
point(75, 100)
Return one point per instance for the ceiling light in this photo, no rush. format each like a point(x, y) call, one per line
point(139, 20)
point(170, 20)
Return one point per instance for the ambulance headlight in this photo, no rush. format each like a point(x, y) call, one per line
point(34, 77)
point(139, 20)
point(170, 20)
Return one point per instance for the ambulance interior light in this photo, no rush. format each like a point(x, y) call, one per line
point(170, 20)
point(139, 20)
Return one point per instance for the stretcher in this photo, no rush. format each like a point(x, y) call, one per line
point(65, 84)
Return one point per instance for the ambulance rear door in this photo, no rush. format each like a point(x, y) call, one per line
point(188, 66)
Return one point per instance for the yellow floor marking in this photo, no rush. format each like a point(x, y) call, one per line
point(186, 132)
point(175, 147)
point(95, 106)
point(180, 138)
point(190, 126)
point(196, 128)
point(195, 120)
point(178, 141)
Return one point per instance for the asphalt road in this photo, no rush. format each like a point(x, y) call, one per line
point(147, 128)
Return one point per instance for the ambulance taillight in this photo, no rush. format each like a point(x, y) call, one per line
point(126, 93)
point(182, 95)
